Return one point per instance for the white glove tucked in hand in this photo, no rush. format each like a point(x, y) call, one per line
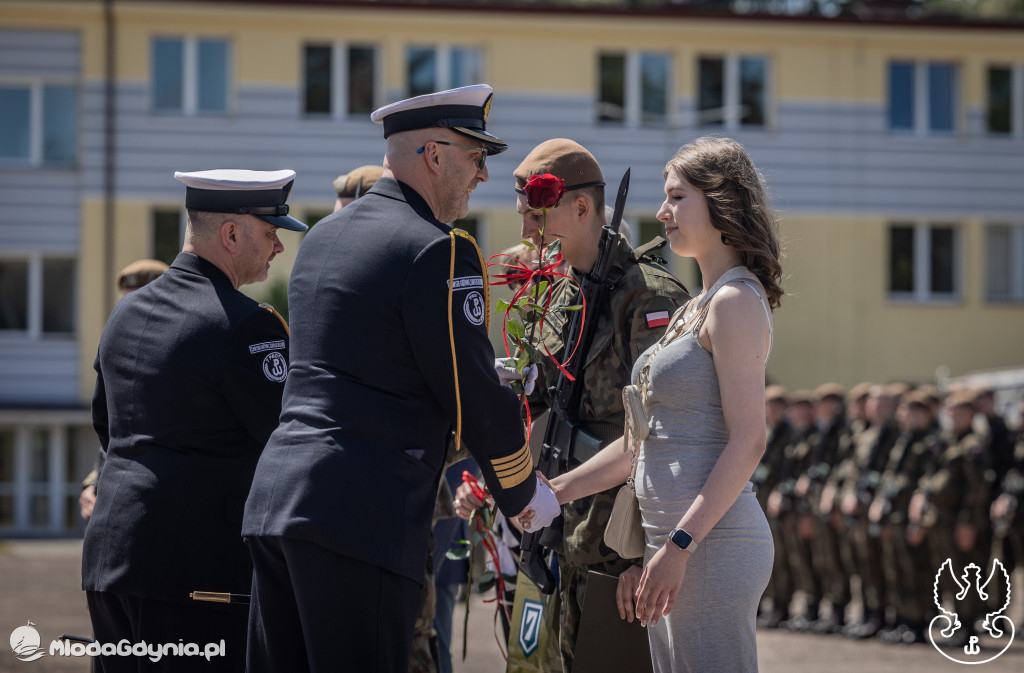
point(506, 369)
point(542, 510)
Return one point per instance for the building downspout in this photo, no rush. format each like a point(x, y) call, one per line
point(109, 120)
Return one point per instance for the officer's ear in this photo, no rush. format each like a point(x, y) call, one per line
point(432, 157)
point(230, 235)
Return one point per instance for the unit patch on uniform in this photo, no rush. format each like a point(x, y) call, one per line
point(466, 283)
point(275, 367)
point(529, 626)
point(474, 308)
point(266, 346)
point(657, 319)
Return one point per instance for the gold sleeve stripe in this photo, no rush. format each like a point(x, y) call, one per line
point(515, 458)
point(515, 473)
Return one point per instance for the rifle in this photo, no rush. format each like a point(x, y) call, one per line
point(562, 431)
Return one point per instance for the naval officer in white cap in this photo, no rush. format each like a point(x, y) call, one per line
point(391, 362)
point(188, 389)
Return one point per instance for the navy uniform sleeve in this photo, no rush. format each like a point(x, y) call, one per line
point(254, 370)
point(492, 427)
point(100, 421)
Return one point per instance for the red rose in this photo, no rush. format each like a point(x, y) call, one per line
point(544, 191)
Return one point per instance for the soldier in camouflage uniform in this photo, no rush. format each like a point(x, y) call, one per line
point(1006, 513)
point(906, 561)
point(951, 502)
point(792, 509)
point(643, 298)
point(857, 479)
point(831, 447)
point(766, 479)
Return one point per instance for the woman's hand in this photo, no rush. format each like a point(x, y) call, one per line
point(660, 583)
point(629, 580)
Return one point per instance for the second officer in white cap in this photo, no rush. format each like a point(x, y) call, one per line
point(188, 389)
point(391, 359)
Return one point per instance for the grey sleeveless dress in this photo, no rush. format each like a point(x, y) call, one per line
point(712, 624)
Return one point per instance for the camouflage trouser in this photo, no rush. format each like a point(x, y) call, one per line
point(424, 640)
point(868, 548)
point(909, 575)
point(835, 581)
point(780, 588)
point(573, 587)
point(799, 551)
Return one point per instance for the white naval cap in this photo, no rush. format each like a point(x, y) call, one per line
point(261, 194)
point(463, 110)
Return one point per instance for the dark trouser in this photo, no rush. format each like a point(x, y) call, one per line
point(781, 586)
point(315, 610)
point(573, 587)
point(829, 565)
point(117, 617)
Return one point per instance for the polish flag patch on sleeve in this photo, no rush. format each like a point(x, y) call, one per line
point(657, 319)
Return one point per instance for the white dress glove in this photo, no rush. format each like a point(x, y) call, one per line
point(545, 507)
point(506, 370)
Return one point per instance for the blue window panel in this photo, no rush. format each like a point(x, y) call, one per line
point(466, 67)
point(60, 124)
point(168, 78)
point(15, 118)
point(941, 107)
point(421, 70)
point(901, 96)
point(213, 76)
point(752, 91)
point(654, 87)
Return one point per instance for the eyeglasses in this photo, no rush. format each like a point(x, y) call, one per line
point(482, 150)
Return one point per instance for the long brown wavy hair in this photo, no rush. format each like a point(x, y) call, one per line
point(738, 203)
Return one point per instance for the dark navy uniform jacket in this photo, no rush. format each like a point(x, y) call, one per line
point(370, 403)
point(189, 379)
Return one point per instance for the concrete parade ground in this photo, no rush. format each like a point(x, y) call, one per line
point(40, 581)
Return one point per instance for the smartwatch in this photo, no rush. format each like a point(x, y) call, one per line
point(683, 540)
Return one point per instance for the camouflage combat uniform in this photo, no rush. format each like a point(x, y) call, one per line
point(643, 288)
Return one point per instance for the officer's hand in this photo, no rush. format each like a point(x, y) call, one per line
point(916, 509)
point(1000, 507)
point(629, 580)
point(87, 500)
point(506, 370)
point(875, 511)
point(465, 501)
point(542, 510)
point(850, 505)
point(774, 504)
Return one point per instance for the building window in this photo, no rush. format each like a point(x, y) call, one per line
point(339, 78)
point(1005, 91)
point(190, 75)
point(922, 97)
point(924, 262)
point(168, 234)
point(37, 296)
point(39, 123)
point(732, 91)
point(429, 69)
point(633, 88)
point(1004, 262)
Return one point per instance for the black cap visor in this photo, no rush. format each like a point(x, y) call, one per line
point(494, 144)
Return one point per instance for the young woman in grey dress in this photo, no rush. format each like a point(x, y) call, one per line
point(699, 587)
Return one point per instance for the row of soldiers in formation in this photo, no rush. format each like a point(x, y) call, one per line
point(883, 483)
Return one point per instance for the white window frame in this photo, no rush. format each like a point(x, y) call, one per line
point(1016, 270)
point(731, 99)
point(340, 76)
point(35, 85)
point(33, 331)
point(921, 99)
point(190, 76)
point(922, 293)
point(633, 114)
point(443, 53)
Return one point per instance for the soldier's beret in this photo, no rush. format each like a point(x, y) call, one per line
point(355, 183)
point(801, 397)
point(261, 194)
point(859, 391)
point(562, 158)
point(775, 393)
point(463, 110)
point(827, 390)
point(139, 273)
